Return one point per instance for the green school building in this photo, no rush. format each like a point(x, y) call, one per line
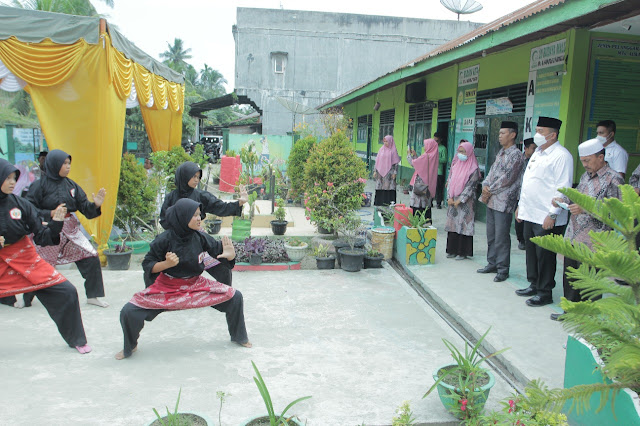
point(576, 60)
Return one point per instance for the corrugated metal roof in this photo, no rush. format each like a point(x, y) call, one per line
point(511, 18)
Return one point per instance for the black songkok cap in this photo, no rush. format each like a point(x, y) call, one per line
point(43, 153)
point(527, 142)
point(509, 125)
point(552, 123)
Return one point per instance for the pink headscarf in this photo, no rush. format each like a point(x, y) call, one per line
point(427, 166)
point(387, 157)
point(461, 170)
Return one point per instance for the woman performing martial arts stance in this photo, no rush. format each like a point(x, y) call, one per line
point(53, 189)
point(22, 270)
point(173, 264)
point(188, 175)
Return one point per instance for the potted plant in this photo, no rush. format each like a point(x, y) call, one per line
point(464, 386)
point(373, 259)
point(351, 228)
point(416, 242)
point(279, 225)
point(296, 249)
point(254, 247)
point(272, 418)
point(213, 224)
point(119, 257)
point(601, 352)
point(179, 419)
point(324, 260)
point(334, 179)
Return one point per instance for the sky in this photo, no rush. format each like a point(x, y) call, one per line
point(205, 25)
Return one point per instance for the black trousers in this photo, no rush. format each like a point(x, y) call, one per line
point(541, 263)
point(132, 320)
point(440, 190)
point(499, 240)
point(519, 230)
point(92, 273)
point(569, 292)
point(461, 245)
point(61, 302)
point(222, 272)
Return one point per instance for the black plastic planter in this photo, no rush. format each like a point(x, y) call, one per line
point(326, 262)
point(351, 259)
point(255, 259)
point(214, 227)
point(373, 262)
point(278, 227)
point(118, 261)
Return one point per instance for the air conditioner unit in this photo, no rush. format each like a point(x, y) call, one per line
point(416, 92)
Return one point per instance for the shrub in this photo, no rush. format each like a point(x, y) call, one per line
point(273, 252)
point(136, 200)
point(295, 164)
point(334, 179)
point(280, 213)
point(165, 164)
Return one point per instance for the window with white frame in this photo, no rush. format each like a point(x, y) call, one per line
point(279, 60)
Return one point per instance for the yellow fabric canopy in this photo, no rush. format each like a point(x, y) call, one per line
point(79, 92)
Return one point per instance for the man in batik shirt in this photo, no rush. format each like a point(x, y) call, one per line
point(500, 191)
point(598, 181)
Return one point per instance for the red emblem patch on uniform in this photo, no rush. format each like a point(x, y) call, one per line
point(73, 192)
point(201, 257)
point(15, 213)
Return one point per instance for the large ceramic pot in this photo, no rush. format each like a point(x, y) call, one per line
point(351, 259)
point(583, 366)
point(296, 253)
point(279, 227)
point(118, 261)
point(444, 389)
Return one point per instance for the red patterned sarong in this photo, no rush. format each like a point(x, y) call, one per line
point(73, 245)
point(182, 293)
point(22, 270)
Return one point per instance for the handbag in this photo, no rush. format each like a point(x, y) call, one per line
point(421, 188)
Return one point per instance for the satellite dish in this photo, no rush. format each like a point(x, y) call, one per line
point(462, 6)
point(295, 107)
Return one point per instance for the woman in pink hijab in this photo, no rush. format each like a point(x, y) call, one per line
point(425, 177)
point(461, 188)
point(387, 163)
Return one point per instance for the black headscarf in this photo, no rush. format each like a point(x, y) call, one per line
point(184, 173)
point(179, 215)
point(6, 168)
point(53, 163)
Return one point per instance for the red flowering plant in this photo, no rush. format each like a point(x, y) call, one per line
point(334, 180)
point(466, 377)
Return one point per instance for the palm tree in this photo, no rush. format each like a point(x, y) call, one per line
point(175, 56)
point(212, 80)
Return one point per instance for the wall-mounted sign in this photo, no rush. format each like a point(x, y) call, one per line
point(549, 55)
point(499, 106)
point(468, 76)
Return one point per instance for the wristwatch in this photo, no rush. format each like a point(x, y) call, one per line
point(553, 216)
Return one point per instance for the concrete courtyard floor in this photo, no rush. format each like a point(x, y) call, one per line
point(359, 343)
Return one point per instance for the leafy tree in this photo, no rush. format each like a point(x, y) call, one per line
point(295, 164)
point(69, 7)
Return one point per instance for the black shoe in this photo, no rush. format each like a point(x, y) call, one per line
point(521, 246)
point(539, 301)
point(487, 269)
point(557, 317)
point(526, 292)
point(500, 277)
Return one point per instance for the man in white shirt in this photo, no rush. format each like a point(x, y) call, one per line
point(615, 155)
point(550, 168)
